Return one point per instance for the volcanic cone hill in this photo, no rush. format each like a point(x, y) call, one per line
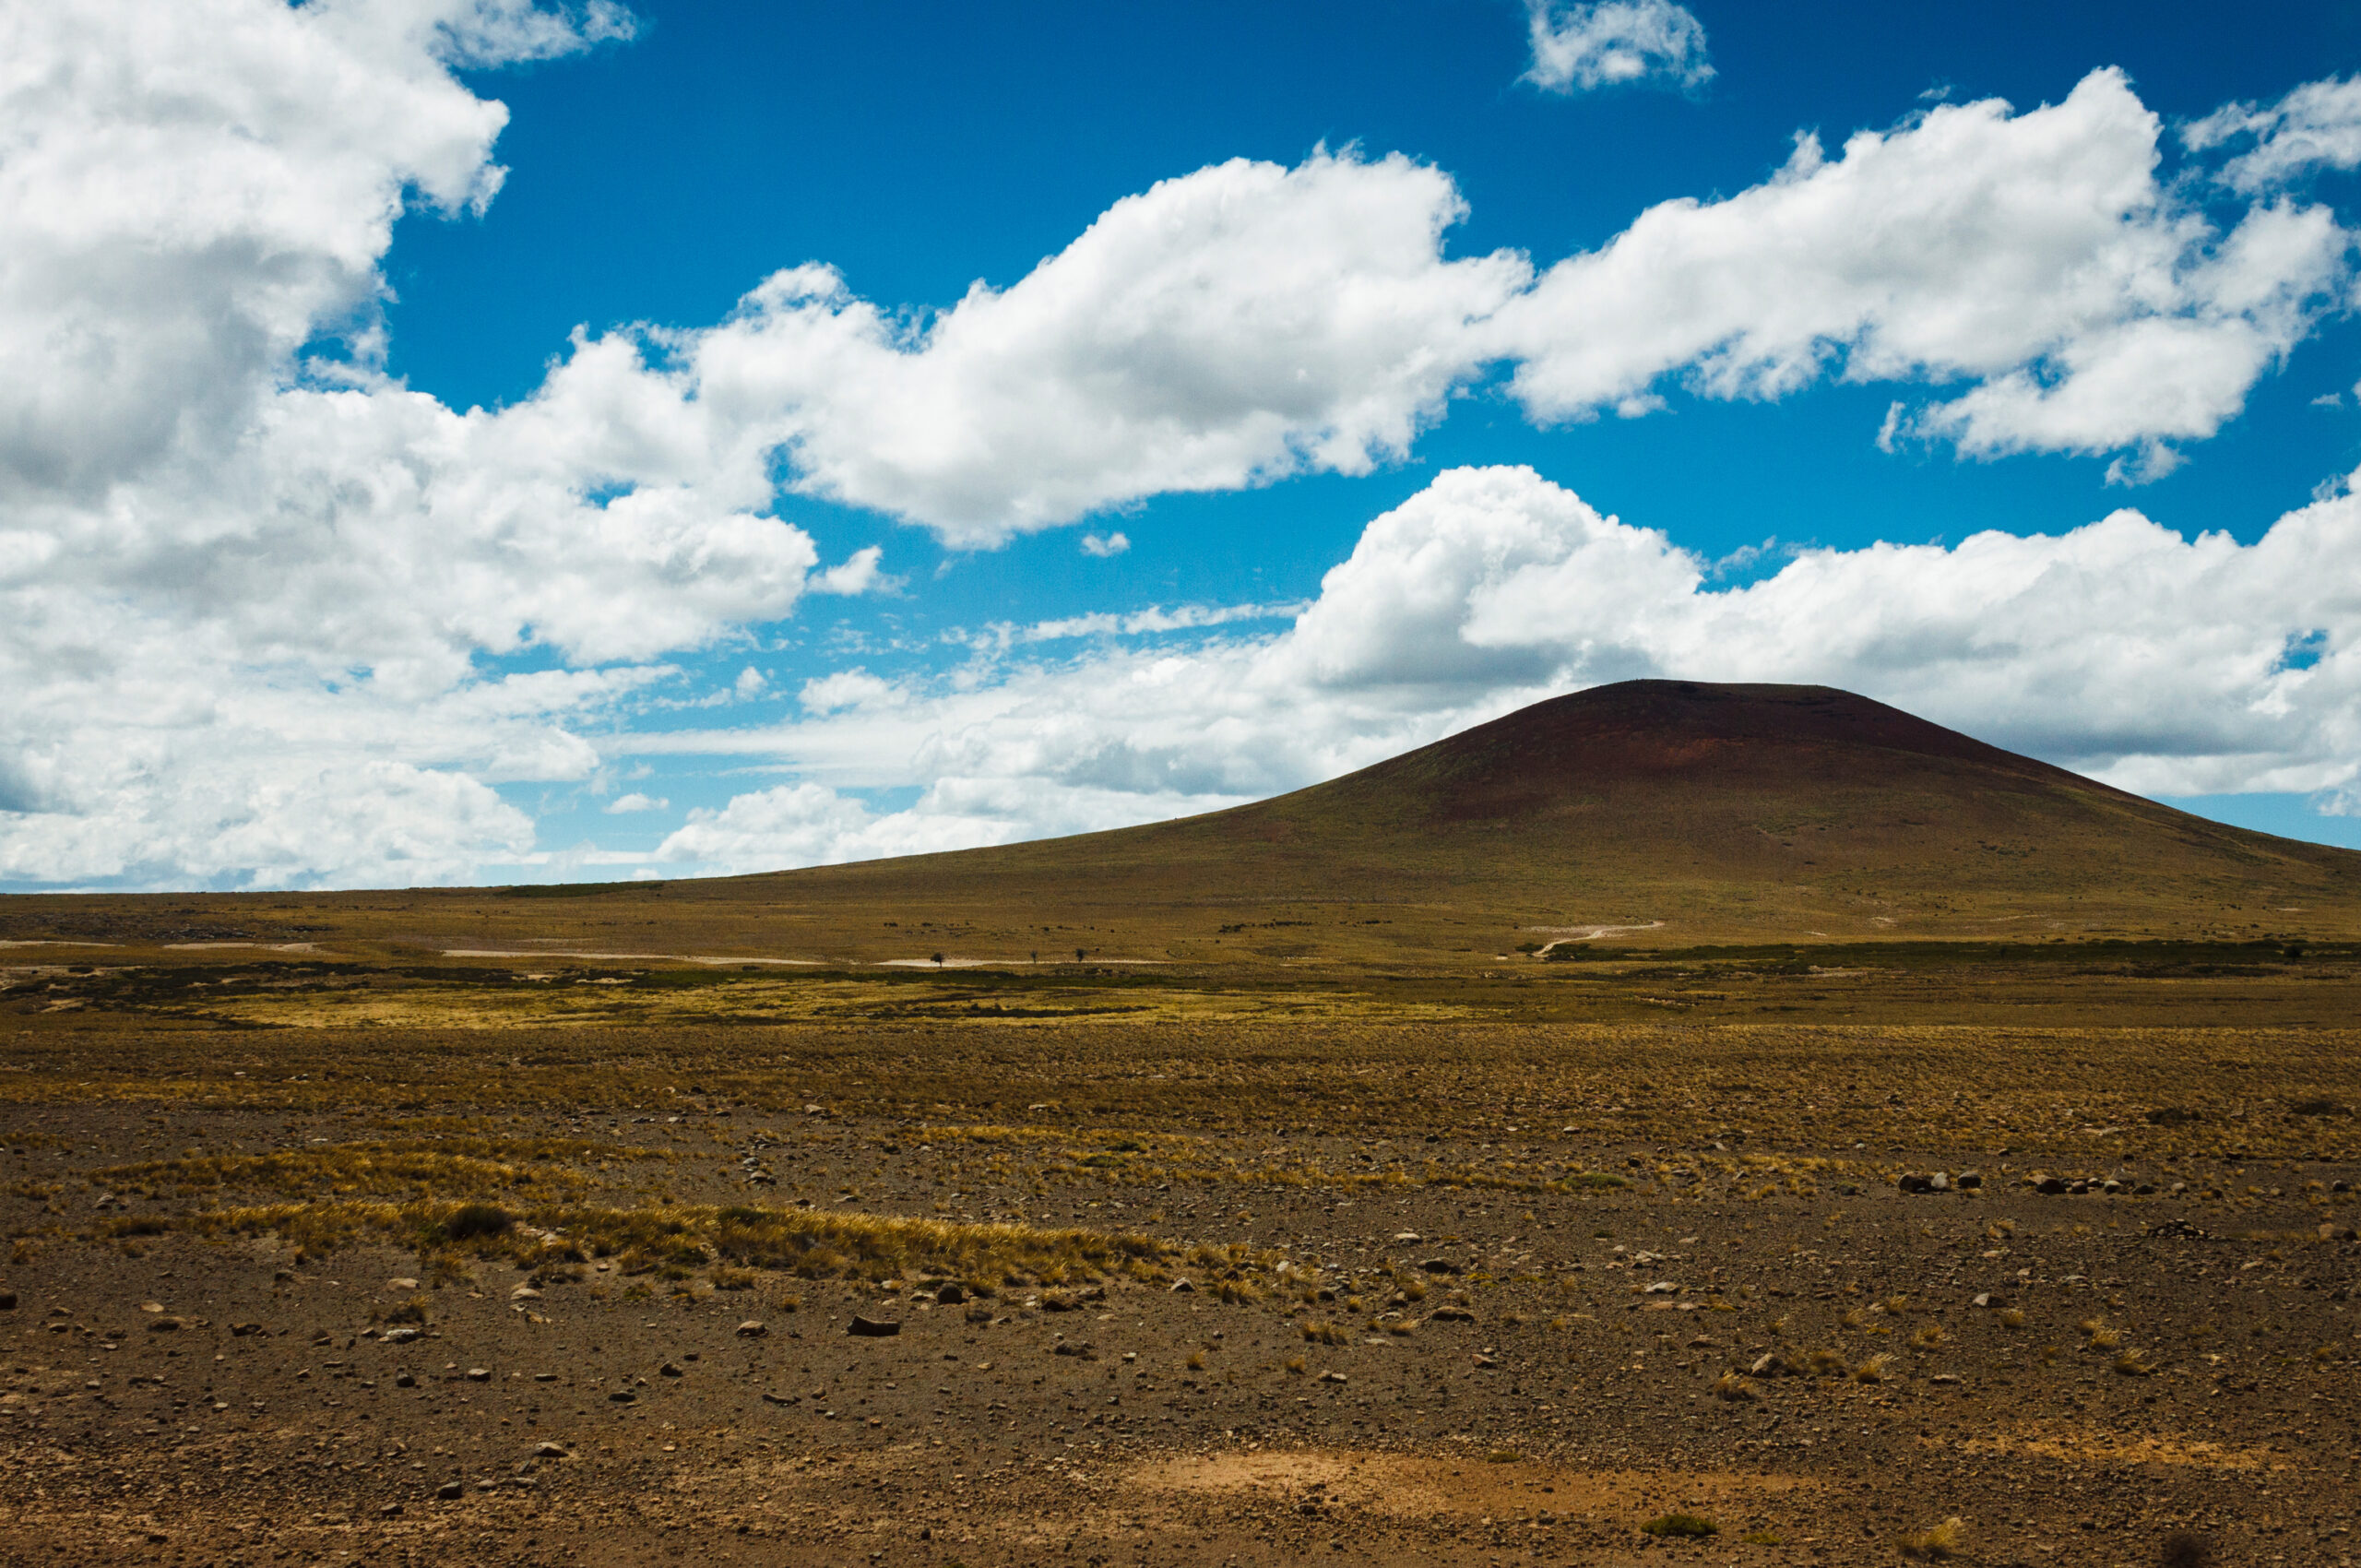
point(1670, 813)
point(1718, 809)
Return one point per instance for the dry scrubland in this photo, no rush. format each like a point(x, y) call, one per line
point(362, 1256)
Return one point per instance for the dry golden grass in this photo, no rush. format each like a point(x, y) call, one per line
point(673, 1239)
point(1936, 1542)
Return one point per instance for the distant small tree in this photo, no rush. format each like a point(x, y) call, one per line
point(1078, 955)
point(938, 960)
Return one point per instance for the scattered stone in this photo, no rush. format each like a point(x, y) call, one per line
point(1944, 1379)
point(1184, 1288)
point(781, 1398)
point(401, 1284)
point(8, 1300)
point(449, 1491)
point(151, 1306)
point(1451, 1315)
point(1969, 1181)
point(951, 1295)
point(479, 1374)
point(551, 1450)
point(524, 1293)
point(622, 1396)
point(241, 1330)
point(1067, 1347)
point(1662, 1288)
point(669, 1369)
point(404, 1380)
point(869, 1328)
point(401, 1335)
point(751, 1329)
point(1440, 1265)
point(1333, 1377)
point(164, 1326)
point(1409, 1237)
point(390, 1511)
point(2050, 1185)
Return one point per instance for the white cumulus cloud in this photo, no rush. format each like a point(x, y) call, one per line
point(1583, 46)
point(2036, 258)
point(2316, 126)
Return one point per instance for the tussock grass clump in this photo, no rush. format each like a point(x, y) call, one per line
point(670, 1239)
point(2013, 1317)
point(1323, 1333)
point(1680, 1527)
point(1928, 1336)
point(1875, 1369)
point(1936, 1542)
point(2134, 1363)
point(407, 1166)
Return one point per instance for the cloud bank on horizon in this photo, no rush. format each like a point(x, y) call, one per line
point(273, 617)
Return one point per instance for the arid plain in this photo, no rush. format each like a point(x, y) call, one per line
point(1797, 1139)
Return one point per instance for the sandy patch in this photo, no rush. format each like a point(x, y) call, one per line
point(1410, 1488)
point(2101, 1448)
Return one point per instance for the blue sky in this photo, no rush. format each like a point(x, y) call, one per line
point(713, 581)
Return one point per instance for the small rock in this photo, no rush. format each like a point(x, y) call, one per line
point(1410, 1237)
point(1333, 1377)
point(241, 1330)
point(1911, 1181)
point(1946, 1379)
point(479, 1374)
point(622, 1396)
point(404, 1380)
point(869, 1328)
point(1184, 1288)
point(8, 1300)
point(781, 1398)
point(401, 1284)
point(1440, 1265)
point(524, 1293)
point(401, 1335)
point(749, 1329)
point(390, 1511)
point(669, 1369)
point(1983, 1298)
point(164, 1326)
point(952, 1294)
point(1662, 1288)
point(1939, 1183)
point(151, 1306)
point(551, 1450)
point(449, 1491)
point(1451, 1315)
point(1968, 1181)
point(2052, 1186)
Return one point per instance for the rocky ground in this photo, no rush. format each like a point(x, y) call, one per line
point(1528, 1359)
